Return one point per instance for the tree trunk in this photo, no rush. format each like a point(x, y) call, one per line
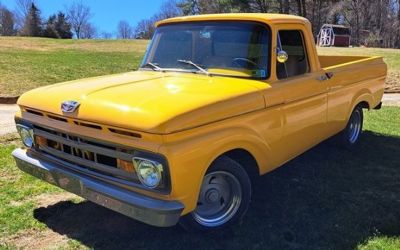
point(303, 3)
point(398, 24)
point(284, 6)
point(280, 6)
point(319, 13)
point(299, 8)
point(398, 10)
point(313, 17)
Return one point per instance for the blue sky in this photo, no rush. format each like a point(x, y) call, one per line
point(106, 13)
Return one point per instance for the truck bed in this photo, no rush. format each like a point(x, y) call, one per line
point(361, 74)
point(333, 61)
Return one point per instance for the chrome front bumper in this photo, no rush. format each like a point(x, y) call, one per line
point(148, 210)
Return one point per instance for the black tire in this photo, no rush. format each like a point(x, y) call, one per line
point(223, 174)
point(350, 136)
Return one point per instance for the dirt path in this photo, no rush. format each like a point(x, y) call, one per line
point(391, 99)
point(7, 124)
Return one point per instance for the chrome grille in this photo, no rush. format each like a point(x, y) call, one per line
point(85, 153)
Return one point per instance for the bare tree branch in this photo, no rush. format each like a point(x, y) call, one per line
point(78, 15)
point(88, 31)
point(22, 11)
point(124, 30)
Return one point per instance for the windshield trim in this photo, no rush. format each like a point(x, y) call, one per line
point(265, 25)
point(165, 70)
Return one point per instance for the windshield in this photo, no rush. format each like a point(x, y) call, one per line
point(221, 48)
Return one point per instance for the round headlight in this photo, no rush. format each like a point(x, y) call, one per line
point(26, 135)
point(149, 173)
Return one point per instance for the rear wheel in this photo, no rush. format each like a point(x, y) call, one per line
point(350, 136)
point(223, 199)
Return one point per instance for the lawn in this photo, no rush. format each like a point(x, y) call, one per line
point(27, 63)
point(328, 198)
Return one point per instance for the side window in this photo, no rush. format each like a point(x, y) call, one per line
point(292, 42)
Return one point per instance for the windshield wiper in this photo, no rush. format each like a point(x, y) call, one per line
point(195, 65)
point(152, 66)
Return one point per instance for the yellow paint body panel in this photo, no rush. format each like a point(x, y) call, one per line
point(192, 119)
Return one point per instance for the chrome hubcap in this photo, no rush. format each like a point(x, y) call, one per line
point(355, 126)
point(219, 199)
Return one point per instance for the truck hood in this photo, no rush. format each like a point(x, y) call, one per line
point(152, 102)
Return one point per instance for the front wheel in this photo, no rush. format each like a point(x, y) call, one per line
point(350, 136)
point(223, 199)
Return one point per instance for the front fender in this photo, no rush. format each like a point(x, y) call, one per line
point(190, 158)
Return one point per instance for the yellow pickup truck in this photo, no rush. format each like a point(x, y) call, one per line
point(217, 101)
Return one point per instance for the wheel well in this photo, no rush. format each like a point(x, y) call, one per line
point(364, 105)
point(245, 159)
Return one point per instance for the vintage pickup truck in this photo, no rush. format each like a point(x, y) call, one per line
point(217, 100)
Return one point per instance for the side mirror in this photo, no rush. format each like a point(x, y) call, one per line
point(282, 56)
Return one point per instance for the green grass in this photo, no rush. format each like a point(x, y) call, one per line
point(327, 198)
point(25, 70)
point(16, 189)
point(27, 63)
point(381, 243)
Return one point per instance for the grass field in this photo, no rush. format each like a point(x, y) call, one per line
point(26, 63)
point(328, 198)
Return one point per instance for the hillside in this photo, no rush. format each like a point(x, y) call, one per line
point(26, 63)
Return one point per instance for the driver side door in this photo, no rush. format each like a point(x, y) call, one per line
point(304, 94)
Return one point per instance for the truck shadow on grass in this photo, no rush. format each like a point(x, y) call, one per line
point(328, 198)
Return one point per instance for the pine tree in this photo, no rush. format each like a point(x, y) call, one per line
point(33, 22)
point(63, 27)
point(50, 30)
point(58, 27)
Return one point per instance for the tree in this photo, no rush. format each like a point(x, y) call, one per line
point(169, 9)
point(88, 31)
point(50, 29)
point(7, 22)
point(145, 28)
point(22, 11)
point(106, 35)
point(58, 27)
point(124, 30)
point(189, 7)
point(397, 24)
point(33, 22)
point(63, 26)
point(79, 15)
point(283, 6)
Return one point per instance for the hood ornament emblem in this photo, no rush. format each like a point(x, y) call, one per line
point(69, 106)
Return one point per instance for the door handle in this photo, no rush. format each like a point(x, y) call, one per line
point(326, 76)
point(322, 78)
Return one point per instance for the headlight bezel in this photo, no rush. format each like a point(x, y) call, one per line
point(24, 128)
point(164, 185)
point(155, 166)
